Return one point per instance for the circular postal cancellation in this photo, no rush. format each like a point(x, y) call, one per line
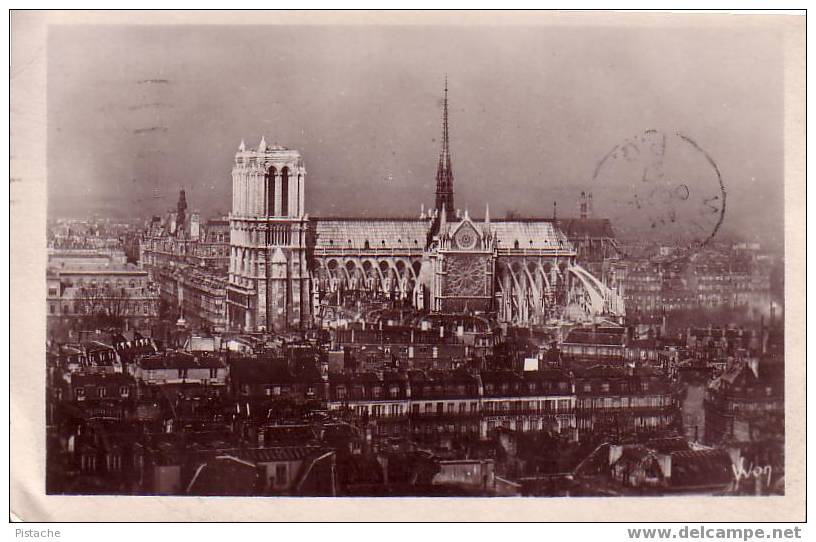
point(662, 188)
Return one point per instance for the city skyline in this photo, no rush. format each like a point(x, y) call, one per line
point(424, 254)
point(540, 131)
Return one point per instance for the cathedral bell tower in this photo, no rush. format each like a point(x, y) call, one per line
point(268, 277)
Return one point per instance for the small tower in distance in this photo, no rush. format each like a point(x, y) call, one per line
point(585, 204)
point(181, 214)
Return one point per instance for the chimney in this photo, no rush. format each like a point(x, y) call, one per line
point(753, 364)
point(665, 462)
point(764, 340)
point(615, 453)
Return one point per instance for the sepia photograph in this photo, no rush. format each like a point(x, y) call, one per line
point(537, 258)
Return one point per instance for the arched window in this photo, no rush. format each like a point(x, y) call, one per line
point(366, 245)
point(270, 191)
point(516, 244)
point(285, 191)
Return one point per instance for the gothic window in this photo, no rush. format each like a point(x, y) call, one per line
point(270, 191)
point(465, 276)
point(285, 191)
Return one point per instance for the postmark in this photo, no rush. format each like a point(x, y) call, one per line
point(662, 189)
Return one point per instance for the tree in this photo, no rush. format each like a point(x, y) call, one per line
point(102, 306)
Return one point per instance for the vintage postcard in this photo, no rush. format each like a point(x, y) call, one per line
point(426, 266)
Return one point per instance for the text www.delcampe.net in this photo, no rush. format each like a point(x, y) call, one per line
point(714, 533)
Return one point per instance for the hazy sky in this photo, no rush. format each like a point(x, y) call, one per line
point(533, 111)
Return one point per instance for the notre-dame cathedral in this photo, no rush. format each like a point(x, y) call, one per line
point(286, 268)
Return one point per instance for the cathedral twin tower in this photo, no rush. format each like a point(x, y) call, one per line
point(268, 273)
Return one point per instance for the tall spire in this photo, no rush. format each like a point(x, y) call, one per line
point(445, 137)
point(444, 170)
